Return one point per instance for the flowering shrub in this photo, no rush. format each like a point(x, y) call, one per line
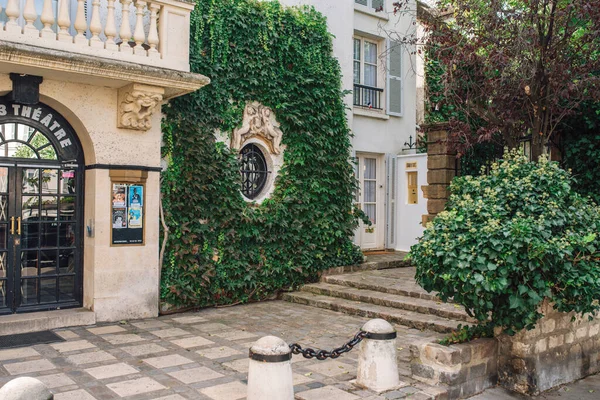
point(511, 238)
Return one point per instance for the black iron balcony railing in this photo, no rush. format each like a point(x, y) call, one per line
point(367, 96)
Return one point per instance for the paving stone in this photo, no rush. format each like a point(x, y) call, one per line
point(330, 368)
point(103, 330)
point(123, 339)
point(171, 360)
point(212, 327)
point(235, 335)
point(74, 395)
point(143, 349)
point(218, 352)
point(194, 375)
point(66, 334)
point(299, 379)
point(188, 343)
point(18, 354)
point(27, 367)
point(72, 346)
point(189, 319)
point(153, 323)
point(91, 357)
point(135, 386)
point(228, 391)
point(55, 380)
point(327, 392)
point(111, 371)
point(240, 365)
point(172, 397)
point(166, 333)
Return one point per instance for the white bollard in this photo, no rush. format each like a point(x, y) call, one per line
point(377, 362)
point(25, 388)
point(270, 370)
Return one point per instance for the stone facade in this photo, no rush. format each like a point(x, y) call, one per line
point(463, 370)
point(441, 165)
point(561, 349)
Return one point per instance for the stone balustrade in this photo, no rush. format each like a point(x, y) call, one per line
point(151, 32)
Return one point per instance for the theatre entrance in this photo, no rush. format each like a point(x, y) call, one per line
point(41, 202)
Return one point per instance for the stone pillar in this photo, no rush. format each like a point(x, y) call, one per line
point(441, 169)
point(377, 360)
point(270, 370)
point(25, 388)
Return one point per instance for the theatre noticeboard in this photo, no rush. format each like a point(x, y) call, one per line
point(127, 213)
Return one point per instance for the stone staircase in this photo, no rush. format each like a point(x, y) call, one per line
point(391, 294)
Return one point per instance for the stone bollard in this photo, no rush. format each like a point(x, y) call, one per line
point(377, 362)
point(270, 370)
point(25, 388)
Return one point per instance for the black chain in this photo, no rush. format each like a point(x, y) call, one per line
point(324, 354)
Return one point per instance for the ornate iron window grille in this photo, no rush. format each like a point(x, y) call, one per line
point(254, 171)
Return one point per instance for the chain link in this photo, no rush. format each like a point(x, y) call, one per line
point(324, 354)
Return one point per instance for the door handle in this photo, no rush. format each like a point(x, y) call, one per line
point(12, 225)
point(19, 226)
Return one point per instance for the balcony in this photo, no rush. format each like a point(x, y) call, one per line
point(367, 97)
point(153, 33)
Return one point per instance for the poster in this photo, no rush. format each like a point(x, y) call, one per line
point(119, 218)
point(119, 195)
point(135, 217)
point(136, 193)
point(127, 209)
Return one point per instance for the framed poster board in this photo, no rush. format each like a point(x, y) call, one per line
point(127, 213)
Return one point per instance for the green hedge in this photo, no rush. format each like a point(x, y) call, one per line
point(221, 249)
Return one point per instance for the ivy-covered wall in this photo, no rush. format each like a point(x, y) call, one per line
point(222, 250)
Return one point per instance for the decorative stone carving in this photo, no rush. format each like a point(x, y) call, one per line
point(137, 103)
point(259, 121)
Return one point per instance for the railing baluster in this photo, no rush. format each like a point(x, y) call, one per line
point(139, 35)
point(30, 15)
point(110, 30)
point(80, 24)
point(47, 19)
point(12, 12)
point(367, 96)
point(125, 32)
point(96, 26)
point(153, 33)
point(64, 22)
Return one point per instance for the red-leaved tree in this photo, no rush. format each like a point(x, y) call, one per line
point(515, 68)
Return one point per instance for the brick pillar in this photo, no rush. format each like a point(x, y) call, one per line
point(441, 169)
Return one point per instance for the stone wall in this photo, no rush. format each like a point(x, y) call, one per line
point(463, 369)
point(441, 166)
point(559, 350)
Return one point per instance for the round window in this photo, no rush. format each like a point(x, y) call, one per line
point(254, 171)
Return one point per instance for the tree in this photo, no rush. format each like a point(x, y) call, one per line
point(515, 68)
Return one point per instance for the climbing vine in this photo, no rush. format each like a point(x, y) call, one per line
point(221, 249)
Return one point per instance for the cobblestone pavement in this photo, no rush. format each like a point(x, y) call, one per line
point(202, 355)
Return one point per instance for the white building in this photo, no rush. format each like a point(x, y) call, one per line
point(381, 74)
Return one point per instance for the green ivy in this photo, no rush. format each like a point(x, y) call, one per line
point(221, 249)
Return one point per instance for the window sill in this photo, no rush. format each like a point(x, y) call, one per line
point(370, 11)
point(365, 112)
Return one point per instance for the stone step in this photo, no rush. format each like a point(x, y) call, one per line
point(403, 317)
point(403, 285)
point(422, 306)
point(45, 320)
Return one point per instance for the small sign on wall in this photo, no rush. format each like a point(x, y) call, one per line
point(127, 213)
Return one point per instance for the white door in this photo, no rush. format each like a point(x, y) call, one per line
point(370, 200)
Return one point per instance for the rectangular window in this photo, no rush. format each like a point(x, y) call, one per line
point(374, 4)
point(370, 65)
point(357, 58)
point(366, 91)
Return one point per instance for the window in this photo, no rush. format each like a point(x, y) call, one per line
point(374, 4)
point(366, 93)
point(253, 168)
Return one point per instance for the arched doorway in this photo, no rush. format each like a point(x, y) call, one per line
point(41, 210)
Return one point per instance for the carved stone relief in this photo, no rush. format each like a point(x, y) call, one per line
point(137, 104)
point(259, 121)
